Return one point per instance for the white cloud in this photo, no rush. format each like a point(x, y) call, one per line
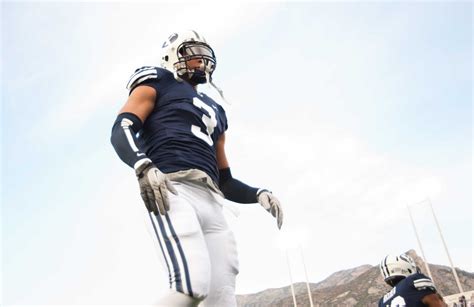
point(332, 186)
point(135, 33)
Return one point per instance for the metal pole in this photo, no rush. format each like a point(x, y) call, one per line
point(291, 279)
point(419, 245)
point(446, 249)
point(306, 275)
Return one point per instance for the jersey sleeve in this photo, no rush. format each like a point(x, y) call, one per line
point(423, 284)
point(146, 75)
point(224, 117)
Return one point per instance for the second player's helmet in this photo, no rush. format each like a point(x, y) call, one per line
point(184, 46)
point(395, 268)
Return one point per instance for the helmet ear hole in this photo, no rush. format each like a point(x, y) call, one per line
point(165, 58)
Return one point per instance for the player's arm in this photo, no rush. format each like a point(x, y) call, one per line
point(140, 103)
point(153, 183)
point(433, 300)
point(240, 192)
point(129, 121)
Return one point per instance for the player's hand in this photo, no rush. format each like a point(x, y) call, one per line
point(154, 187)
point(271, 204)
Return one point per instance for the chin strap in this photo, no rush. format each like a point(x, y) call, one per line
point(177, 78)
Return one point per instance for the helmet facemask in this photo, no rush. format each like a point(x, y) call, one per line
point(191, 50)
point(179, 49)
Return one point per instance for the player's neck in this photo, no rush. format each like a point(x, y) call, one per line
point(193, 85)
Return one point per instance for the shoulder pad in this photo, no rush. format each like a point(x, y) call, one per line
point(142, 74)
point(424, 284)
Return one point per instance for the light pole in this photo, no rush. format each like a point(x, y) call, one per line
point(442, 239)
point(306, 276)
point(446, 249)
point(291, 278)
point(419, 245)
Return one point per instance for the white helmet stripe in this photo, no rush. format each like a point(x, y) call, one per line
point(197, 35)
point(384, 267)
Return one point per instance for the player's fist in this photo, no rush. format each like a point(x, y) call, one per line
point(271, 204)
point(154, 187)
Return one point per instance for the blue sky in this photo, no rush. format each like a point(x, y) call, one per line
point(348, 111)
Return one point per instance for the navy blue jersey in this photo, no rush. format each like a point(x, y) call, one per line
point(409, 292)
point(182, 130)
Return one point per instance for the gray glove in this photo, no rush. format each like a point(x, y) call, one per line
point(154, 187)
point(271, 204)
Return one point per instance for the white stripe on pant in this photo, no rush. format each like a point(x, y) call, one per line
point(197, 246)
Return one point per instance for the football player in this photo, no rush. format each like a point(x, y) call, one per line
point(410, 287)
point(174, 138)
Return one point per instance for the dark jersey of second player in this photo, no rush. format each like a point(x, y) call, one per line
point(182, 130)
point(409, 292)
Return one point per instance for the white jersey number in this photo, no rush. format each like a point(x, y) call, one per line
point(209, 121)
point(398, 302)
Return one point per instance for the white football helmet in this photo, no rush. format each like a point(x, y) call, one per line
point(395, 268)
point(184, 46)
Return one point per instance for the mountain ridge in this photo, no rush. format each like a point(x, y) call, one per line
point(359, 286)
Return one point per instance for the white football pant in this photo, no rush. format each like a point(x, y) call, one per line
point(197, 246)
